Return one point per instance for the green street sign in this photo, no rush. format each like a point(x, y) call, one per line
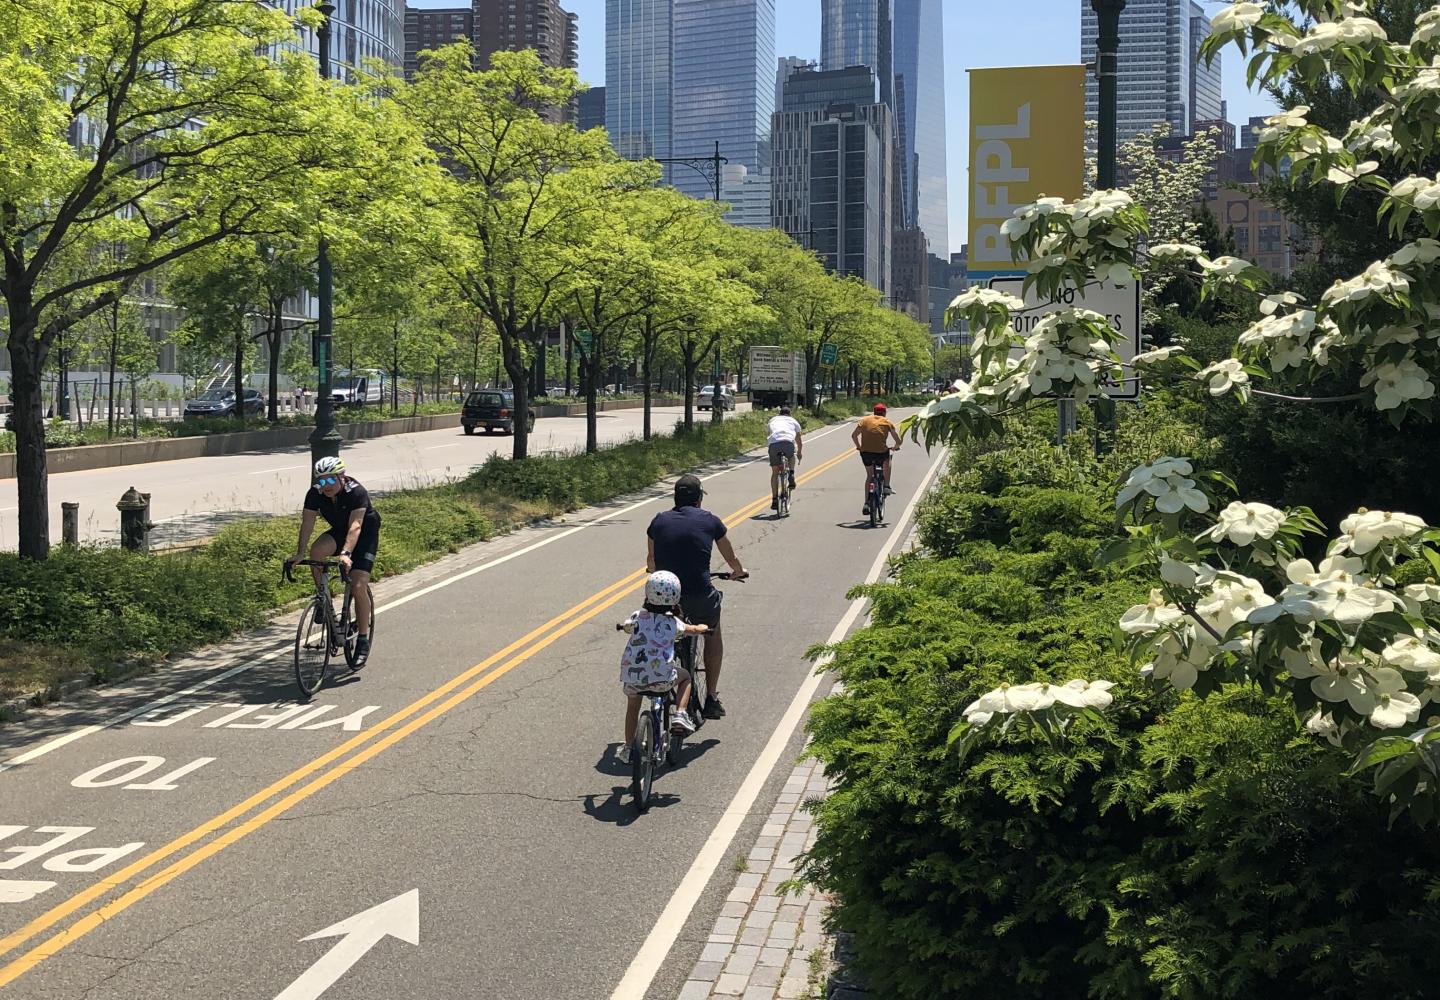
point(829, 354)
point(586, 339)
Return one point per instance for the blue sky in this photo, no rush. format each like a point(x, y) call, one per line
point(977, 33)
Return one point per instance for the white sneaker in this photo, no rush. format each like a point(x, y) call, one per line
point(622, 753)
point(680, 723)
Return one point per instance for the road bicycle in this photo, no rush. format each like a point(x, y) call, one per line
point(655, 746)
point(322, 634)
point(875, 494)
point(783, 497)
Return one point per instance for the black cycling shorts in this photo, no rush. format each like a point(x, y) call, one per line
point(363, 558)
point(872, 458)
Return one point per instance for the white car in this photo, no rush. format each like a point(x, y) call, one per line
point(706, 397)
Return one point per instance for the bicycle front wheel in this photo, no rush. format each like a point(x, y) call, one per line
point(352, 632)
point(642, 761)
point(312, 649)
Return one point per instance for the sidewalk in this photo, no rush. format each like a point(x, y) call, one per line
point(764, 945)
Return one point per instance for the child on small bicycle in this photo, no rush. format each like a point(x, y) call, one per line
point(648, 663)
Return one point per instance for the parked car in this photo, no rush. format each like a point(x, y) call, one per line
point(706, 397)
point(221, 403)
point(492, 409)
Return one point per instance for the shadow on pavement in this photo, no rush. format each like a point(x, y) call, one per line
point(619, 806)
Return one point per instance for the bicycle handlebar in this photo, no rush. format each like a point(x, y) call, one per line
point(287, 573)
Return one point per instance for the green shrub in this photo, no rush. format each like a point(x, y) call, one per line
point(1166, 848)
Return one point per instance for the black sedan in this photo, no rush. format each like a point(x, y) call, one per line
point(221, 403)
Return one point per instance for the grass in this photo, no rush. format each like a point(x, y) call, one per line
point(84, 609)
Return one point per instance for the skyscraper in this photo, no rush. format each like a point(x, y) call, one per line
point(724, 61)
point(358, 33)
point(859, 33)
point(920, 118)
point(592, 109)
point(833, 181)
point(1158, 73)
point(786, 66)
point(639, 76)
point(495, 26)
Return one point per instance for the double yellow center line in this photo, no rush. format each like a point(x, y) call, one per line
point(369, 744)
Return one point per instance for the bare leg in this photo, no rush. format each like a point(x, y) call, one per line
point(682, 690)
point(360, 581)
point(323, 548)
point(714, 654)
point(774, 481)
point(632, 716)
point(887, 472)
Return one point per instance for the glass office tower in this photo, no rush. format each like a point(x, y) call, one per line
point(859, 33)
point(920, 117)
point(724, 85)
point(639, 77)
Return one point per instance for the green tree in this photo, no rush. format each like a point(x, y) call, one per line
point(133, 135)
point(519, 188)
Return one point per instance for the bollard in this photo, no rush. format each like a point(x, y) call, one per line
point(70, 523)
point(134, 508)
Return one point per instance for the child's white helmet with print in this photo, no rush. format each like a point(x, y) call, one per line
point(662, 589)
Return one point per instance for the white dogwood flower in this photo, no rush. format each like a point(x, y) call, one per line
point(1408, 652)
point(1242, 523)
point(1163, 251)
point(1397, 384)
point(1394, 706)
point(1084, 694)
point(1224, 375)
point(1237, 17)
point(1156, 355)
point(1146, 619)
point(1365, 529)
point(1378, 279)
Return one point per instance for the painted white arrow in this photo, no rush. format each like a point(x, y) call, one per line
point(397, 918)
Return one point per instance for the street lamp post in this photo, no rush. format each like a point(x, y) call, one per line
point(325, 441)
point(1107, 70)
point(1107, 63)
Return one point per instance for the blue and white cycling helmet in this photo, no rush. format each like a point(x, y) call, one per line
point(329, 467)
point(662, 589)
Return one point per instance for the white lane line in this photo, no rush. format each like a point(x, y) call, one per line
point(283, 468)
point(68, 738)
point(437, 447)
point(653, 952)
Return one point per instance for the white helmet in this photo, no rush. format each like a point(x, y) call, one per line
point(662, 589)
point(329, 467)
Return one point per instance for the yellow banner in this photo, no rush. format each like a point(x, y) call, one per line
point(1027, 140)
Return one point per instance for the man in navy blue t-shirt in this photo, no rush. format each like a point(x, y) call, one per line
point(681, 542)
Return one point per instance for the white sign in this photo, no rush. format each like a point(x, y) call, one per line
point(775, 370)
point(1121, 303)
point(397, 918)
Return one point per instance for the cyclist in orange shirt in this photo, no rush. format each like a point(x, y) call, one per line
point(872, 439)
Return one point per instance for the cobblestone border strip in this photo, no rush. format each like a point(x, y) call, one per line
point(766, 946)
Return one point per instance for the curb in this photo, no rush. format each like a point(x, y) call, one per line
point(15, 709)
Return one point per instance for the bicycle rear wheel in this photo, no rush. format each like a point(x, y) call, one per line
point(312, 649)
point(642, 761)
point(676, 742)
point(351, 631)
point(876, 499)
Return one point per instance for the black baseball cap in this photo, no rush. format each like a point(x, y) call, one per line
point(688, 490)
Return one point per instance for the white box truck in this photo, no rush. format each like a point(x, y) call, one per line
point(776, 376)
point(362, 387)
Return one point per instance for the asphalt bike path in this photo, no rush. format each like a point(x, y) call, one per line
point(452, 819)
point(191, 498)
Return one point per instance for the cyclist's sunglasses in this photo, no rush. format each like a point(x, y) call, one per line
point(327, 481)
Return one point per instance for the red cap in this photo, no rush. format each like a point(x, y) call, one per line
point(880, 409)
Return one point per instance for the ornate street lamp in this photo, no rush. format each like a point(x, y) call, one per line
point(326, 440)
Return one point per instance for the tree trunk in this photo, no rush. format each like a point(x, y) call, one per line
point(273, 337)
point(592, 375)
point(395, 369)
point(647, 360)
point(690, 363)
point(517, 369)
point(27, 359)
point(110, 419)
point(239, 379)
point(134, 410)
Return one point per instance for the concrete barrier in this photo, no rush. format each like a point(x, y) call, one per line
point(105, 456)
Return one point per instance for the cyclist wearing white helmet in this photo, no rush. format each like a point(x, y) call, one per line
point(353, 536)
point(648, 663)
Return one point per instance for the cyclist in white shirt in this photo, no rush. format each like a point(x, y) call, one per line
point(785, 441)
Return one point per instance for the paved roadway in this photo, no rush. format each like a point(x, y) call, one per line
point(189, 498)
point(197, 849)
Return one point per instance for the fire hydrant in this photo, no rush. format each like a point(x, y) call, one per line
point(134, 508)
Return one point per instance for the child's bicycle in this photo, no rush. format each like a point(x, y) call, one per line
point(322, 634)
point(655, 746)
